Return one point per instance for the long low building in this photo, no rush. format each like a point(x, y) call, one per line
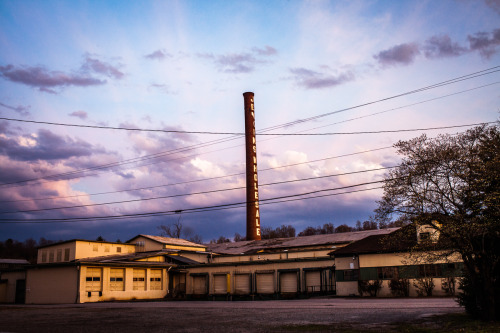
point(154, 267)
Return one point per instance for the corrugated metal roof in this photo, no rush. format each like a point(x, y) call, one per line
point(294, 242)
point(170, 241)
point(14, 261)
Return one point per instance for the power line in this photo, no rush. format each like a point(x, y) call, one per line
point(161, 154)
point(194, 193)
point(444, 83)
point(205, 179)
point(187, 210)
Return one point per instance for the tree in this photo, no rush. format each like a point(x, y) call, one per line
point(452, 184)
point(328, 228)
point(284, 231)
point(239, 238)
point(178, 230)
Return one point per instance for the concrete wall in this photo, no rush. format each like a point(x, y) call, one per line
point(51, 285)
point(8, 285)
point(129, 293)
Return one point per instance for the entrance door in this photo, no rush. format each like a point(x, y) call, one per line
point(20, 291)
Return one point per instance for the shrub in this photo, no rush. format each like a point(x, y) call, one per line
point(371, 288)
point(424, 286)
point(400, 287)
point(448, 285)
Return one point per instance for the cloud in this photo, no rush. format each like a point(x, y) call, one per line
point(310, 79)
point(494, 4)
point(442, 47)
point(45, 145)
point(163, 88)
point(244, 62)
point(22, 110)
point(402, 54)
point(485, 43)
point(80, 114)
point(43, 79)
point(266, 51)
point(101, 67)
point(158, 55)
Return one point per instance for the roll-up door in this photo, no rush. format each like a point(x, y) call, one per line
point(265, 283)
point(220, 284)
point(242, 284)
point(288, 282)
point(200, 285)
point(313, 281)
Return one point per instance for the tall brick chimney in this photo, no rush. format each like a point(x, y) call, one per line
point(253, 214)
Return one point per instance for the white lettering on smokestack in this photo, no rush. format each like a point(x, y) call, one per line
point(253, 215)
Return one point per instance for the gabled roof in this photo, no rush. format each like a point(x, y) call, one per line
point(169, 241)
point(249, 247)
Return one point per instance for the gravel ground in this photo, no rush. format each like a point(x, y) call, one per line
point(205, 316)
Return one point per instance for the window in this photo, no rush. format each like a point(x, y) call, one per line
point(425, 236)
point(44, 256)
point(51, 256)
point(351, 275)
point(93, 279)
point(116, 279)
point(59, 255)
point(429, 270)
point(119, 249)
point(66, 254)
point(387, 273)
point(155, 280)
point(139, 279)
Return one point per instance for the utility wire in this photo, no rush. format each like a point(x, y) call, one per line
point(194, 193)
point(203, 179)
point(197, 209)
point(289, 134)
point(444, 83)
point(134, 160)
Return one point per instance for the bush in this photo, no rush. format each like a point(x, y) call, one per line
point(371, 288)
point(448, 285)
point(400, 287)
point(424, 286)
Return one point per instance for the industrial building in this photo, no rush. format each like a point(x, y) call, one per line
point(154, 267)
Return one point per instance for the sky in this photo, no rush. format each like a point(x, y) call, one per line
point(154, 91)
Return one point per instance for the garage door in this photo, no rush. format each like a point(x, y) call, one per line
point(220, 284)
point(313, 281)
point(199, 285)
point(288, 282)
point(242, 284)
point(265, 283)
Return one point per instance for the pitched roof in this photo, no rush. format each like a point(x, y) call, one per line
point(248, 247)
point(399, 240)
point(169, 241)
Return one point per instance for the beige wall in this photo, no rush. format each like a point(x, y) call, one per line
point(8, 288)
point(81, 249)
point(129, 293)
point(273, 256)
point(51, 285)
point(343, 263)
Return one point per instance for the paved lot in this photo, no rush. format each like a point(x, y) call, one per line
point(204, 316)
